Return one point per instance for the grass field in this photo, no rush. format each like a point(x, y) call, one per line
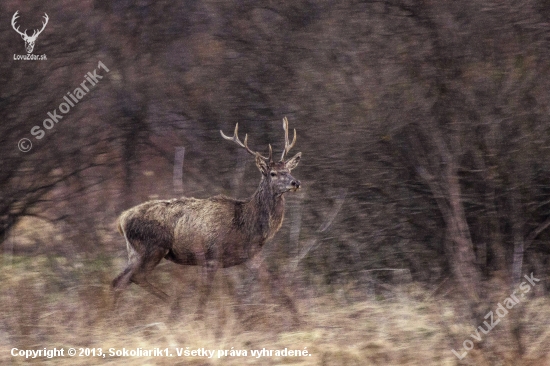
point(48, 302)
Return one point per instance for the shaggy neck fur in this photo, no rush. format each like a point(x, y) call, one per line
point(265, 210)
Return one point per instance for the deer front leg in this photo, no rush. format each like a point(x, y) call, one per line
point(209, 267)
point(277, 289)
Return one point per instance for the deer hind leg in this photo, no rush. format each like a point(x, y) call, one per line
point(123, 280)
point(139, 266)
point(145, 265)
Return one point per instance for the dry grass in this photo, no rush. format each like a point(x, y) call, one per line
point(50, 302)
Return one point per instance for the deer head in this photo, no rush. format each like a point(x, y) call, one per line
point(277, 174)
point(29, 40)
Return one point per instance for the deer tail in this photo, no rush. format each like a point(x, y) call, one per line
point(120, 228)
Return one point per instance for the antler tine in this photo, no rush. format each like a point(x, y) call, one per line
point(37, 32)
point(236, 140)
point(287, 145)
point(13, 19)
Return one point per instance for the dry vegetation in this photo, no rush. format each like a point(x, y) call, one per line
point(50, 301)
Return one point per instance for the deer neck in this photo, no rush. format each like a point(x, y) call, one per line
point(265, 210)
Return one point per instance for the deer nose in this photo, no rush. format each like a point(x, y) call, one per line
point(295, 183)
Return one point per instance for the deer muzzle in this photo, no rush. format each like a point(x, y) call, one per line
point(295, 185)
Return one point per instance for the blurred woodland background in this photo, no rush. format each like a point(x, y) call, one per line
point(425, 133)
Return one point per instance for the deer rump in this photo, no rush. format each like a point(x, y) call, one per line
point(190, 231)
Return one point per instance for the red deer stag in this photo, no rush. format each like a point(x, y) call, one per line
point(212, 233)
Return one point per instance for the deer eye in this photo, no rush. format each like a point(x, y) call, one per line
point(273, 174)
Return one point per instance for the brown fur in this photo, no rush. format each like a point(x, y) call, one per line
point(214, 232)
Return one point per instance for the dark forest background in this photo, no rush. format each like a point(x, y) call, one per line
point(424, 128)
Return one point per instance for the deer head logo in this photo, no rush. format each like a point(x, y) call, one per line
point(29, 40)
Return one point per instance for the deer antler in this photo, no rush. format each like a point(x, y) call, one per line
point(236, 140)
point(37, 32)
point(13, 19)
point(287, 146)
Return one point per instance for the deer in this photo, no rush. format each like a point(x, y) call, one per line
point(29, 40)
point(216, 232)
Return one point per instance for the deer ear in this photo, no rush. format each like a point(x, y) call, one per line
point(293, 163)
point(261, 164)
